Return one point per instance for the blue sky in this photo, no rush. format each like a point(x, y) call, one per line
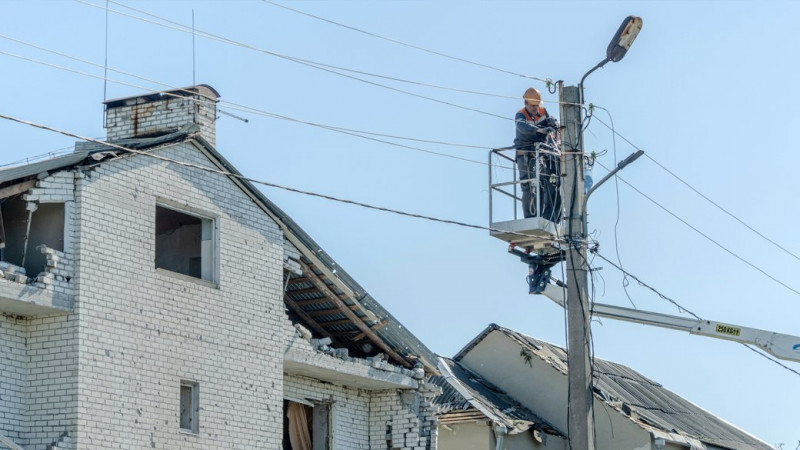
point(707, 90)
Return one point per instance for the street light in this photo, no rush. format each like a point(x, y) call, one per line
point(580, 420)
point(619, 45)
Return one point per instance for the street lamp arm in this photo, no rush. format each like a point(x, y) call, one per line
point(631, 158)
point(599, 65)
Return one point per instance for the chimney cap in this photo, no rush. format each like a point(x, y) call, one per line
point(202, 90)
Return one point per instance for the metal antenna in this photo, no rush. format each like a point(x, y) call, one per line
point(193, 51)
point(105, 65)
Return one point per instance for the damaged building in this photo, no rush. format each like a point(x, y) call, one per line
point(133, 315)
point(508, 390)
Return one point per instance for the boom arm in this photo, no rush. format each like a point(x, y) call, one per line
point(779, 345)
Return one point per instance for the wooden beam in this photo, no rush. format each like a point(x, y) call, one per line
point(298, 280)
point(310, 321)
point(18, 188)
point(308, 272)
point(375, 327)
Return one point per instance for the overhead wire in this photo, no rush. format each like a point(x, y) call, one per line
point(314, 64)
point(625, 281)
point(702, 195)
point(261, 182)
point(185, 29)
point(247, 109)
point(707, 237)
point(547, 81)
point(682, 308)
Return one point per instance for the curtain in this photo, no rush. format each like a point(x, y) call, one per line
point(299, 435)
point(2, 230)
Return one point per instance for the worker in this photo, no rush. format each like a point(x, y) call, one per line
point(536, 129)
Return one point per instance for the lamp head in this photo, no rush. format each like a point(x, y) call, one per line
point(624, 38)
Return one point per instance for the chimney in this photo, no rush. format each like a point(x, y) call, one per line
point(160, 113)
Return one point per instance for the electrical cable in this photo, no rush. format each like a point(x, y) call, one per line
point(547, 81)
point(625, 281)
point(317, 65)
point(261, 182)
point(248, 109)
point(709, 238)
point(705, 197)
point(261, 112)
point(681, 308)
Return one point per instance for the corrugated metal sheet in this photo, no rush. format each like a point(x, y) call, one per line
point(647, 402)
point(19, 172)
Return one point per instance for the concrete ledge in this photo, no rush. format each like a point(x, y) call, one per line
point(349, 373)
point(32, 301)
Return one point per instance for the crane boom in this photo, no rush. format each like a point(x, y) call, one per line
point(782, 346)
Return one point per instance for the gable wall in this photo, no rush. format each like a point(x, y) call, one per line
point(144, 330)
point(543, 389)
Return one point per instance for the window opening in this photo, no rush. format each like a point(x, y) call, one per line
point(190, 407)
point(24, 226)
point(184, 243)
point(306, 427)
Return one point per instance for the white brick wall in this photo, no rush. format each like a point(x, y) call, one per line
point(162, 115)
point(406, 418)
point(52, 386)
point(142, 331)
point(13, 361)
point(349, 409)
point(360, 419)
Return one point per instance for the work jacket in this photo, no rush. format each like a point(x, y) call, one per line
point(527, 126)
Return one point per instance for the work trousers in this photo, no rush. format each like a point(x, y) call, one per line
point(549, 186)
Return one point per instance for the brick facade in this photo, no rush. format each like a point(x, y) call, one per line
point(108, 374)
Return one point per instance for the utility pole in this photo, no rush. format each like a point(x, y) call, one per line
point(580, 412)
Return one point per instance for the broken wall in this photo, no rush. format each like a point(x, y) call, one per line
point(38, 355)
point(404, 420)
point(39, 216)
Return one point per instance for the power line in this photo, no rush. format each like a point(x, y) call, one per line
point(314, 64)
point(696, 191)
point(548, 81)
point(261, 182)
point(683, 309)
point(243, 108)
point(150, 80)
point(709, 238)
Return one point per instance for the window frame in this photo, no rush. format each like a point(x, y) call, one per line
point(209, 243)
point(194, 410)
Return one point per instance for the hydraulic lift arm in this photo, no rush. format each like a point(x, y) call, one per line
point(782, 346)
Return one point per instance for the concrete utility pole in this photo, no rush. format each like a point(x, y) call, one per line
point(580, 415)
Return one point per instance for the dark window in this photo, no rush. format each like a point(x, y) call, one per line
point(304, 424)
point(184, 243)
point(24, 230)
point(190, 406)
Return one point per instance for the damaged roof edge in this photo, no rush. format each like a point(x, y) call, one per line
point(395, 333)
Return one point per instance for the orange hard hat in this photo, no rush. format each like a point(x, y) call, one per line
point(532, 95)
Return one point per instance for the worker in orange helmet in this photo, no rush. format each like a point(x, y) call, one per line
point(536, 129)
